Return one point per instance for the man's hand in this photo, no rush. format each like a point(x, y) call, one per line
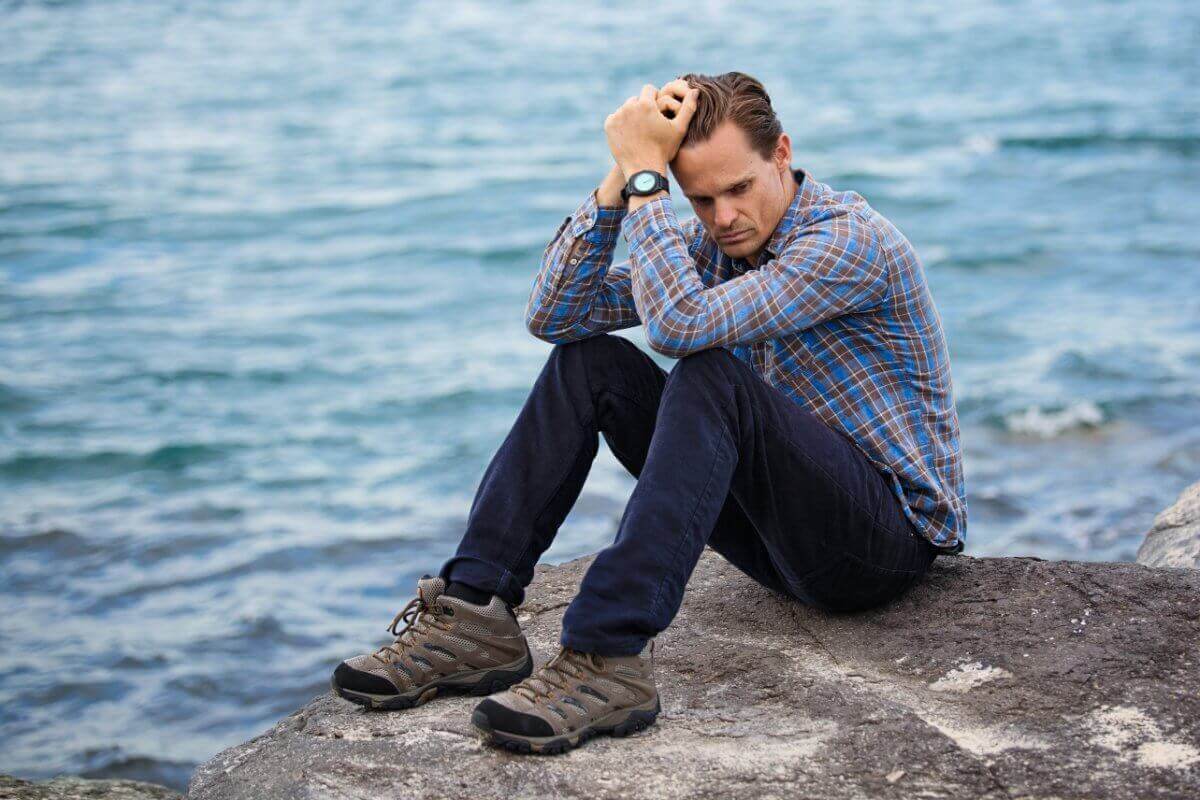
point(671, 96)
point(639, 133)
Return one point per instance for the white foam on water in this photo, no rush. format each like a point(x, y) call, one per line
point(1048, 423)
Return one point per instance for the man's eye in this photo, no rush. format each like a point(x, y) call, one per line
point(741, 187)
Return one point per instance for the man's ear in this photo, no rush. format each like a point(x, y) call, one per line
point(782, 156)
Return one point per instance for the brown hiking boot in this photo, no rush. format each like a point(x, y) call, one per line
point(569, 700)
point(447, 644)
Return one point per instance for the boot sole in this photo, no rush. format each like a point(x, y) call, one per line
point(478, 684)
point(619, 723)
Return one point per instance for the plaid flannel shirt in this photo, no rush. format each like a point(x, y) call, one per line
point(836, 314)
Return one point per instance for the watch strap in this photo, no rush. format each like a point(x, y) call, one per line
point(629, 190)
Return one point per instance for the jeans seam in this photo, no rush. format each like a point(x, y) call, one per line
point(542, 510)
point(654, 605)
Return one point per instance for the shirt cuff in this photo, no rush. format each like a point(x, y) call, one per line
point(654, 216)
point(597, 225)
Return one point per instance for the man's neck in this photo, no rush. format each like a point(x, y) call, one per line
point(791, 195)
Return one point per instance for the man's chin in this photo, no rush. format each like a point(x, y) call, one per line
point(738, 249)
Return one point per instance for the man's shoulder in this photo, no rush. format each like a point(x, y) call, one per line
point(857, 211)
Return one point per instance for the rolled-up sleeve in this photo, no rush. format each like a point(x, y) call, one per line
point(832, 265)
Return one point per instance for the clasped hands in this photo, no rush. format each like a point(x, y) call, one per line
point(640, 133)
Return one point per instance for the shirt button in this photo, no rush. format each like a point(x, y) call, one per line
point(574, 260)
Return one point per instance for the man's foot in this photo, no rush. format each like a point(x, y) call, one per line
point(447, 644)
point(571, 699)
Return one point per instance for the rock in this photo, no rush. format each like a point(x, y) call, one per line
point(1174, 540)
point(992, 678)
point(69, 788)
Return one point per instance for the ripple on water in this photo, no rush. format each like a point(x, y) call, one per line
point(112, 463)
point(52, 543)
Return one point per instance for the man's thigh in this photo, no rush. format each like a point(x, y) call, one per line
point(828, 522)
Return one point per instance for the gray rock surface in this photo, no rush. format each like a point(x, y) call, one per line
point(70, 788)
point(1174, 540)
point(992, 678)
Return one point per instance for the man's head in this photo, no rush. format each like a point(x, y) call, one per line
point(734, 164)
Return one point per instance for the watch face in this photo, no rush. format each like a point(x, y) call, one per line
point(643, 181)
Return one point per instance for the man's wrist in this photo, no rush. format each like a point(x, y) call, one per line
point(608, 202)
point(633, 166)
point(609, 193)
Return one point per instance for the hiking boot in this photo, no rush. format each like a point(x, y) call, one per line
point(571, 699)
point(446, 644)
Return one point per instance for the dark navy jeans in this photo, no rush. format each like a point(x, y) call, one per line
point(721, 457)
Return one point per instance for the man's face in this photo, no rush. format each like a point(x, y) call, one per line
point(734, 190)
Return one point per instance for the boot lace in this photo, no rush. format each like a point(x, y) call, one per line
point(567, 664)
point(418, 618)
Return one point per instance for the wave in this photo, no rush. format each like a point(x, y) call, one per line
point(56, 541)
point(284, 561)
point(1110, 365)
point(1178, 144)
point(109, 463)
point(13, 399)
point(1047, 423)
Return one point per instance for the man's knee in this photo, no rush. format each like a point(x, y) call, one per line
point(600, 343)
point(601, 349)
point(714, 362)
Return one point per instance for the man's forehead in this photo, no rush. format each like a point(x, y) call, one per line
point(717, 164)
point(709, 183)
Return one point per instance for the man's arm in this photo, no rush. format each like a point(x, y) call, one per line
point(578, 293)
point(834, 266)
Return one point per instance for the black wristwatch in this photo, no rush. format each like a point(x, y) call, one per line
point(643, 183)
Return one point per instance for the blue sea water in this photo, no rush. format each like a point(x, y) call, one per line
point(263, 268)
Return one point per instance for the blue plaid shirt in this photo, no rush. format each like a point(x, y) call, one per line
point(835, 314)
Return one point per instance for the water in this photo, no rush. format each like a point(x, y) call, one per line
point(263, 267)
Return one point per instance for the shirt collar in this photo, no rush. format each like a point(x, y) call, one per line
point(805, 197)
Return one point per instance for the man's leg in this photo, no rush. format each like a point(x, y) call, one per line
point(831, 532)
point(735, 462)
point(604, 384)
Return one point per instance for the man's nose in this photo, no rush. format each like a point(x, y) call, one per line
point(726, 214)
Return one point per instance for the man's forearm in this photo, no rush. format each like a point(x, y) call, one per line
point(574, 293)
point(609, 193)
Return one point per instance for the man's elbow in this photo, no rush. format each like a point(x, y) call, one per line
point(661, 341)
point(544, 329)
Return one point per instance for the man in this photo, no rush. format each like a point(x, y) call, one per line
point(807, 433)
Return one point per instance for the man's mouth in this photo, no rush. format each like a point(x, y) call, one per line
point(733, 237)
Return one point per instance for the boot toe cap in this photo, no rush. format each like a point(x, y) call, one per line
point(491, 715)
point(347, 677)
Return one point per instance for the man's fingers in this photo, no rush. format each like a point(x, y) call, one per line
point(684, 115)
point(649, 93)
point(668, 105)
point(677, 88)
